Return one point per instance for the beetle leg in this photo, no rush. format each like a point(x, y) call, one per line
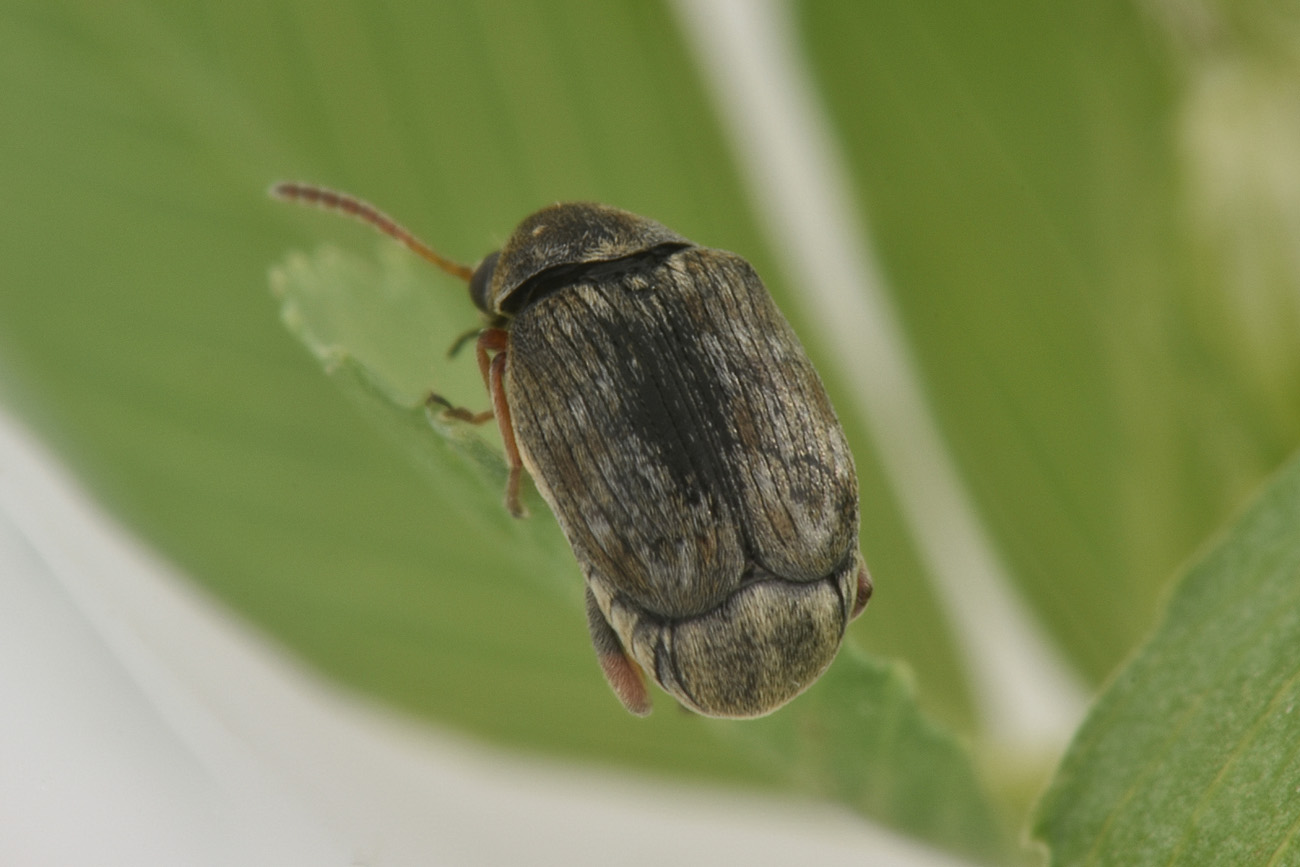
point(501, 408)
point(489, 340)
point(492, 340)
point(462, 339)
point(459, 413)
point(864, 589)
point(624, 675)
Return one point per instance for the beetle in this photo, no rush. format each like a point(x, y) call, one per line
point(671, 419)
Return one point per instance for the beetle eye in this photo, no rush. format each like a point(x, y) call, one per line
point(481, 282)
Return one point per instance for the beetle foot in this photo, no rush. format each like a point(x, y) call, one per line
point(514, 505)
point(460, 413)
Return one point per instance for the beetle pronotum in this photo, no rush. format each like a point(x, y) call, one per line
point(670, 418)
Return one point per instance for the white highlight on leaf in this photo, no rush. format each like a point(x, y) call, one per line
point(749, 55)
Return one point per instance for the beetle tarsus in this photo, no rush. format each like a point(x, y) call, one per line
point(459, 343)
point(460, 413)
point(514, 505)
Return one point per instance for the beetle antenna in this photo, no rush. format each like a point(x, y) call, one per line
point(332, 200)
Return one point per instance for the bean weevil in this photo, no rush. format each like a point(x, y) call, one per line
point(671, 419)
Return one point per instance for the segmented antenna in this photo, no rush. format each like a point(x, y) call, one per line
point(331, 200)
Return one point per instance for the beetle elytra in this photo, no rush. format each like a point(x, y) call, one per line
point(671, 419)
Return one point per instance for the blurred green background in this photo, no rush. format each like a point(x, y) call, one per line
point(1088, 215)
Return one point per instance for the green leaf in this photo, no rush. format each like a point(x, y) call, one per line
point(1084, 214)
point(382, 333)
point(136, 333)
point(1081, 222)
point(857, 737)
point(1192, 756)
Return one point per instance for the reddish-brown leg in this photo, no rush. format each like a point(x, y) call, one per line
point(514, 465)
point(490, 340)
point(493, 340)
point(459, 413)
point(621, 672)
point(864, 589)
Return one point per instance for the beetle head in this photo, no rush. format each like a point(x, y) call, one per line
point(561, 237)
point(481, 282)
point(767, 643)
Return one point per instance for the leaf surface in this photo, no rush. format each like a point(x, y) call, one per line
point(1192, 755)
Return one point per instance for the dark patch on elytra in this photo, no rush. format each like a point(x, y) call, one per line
point(674, 393)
